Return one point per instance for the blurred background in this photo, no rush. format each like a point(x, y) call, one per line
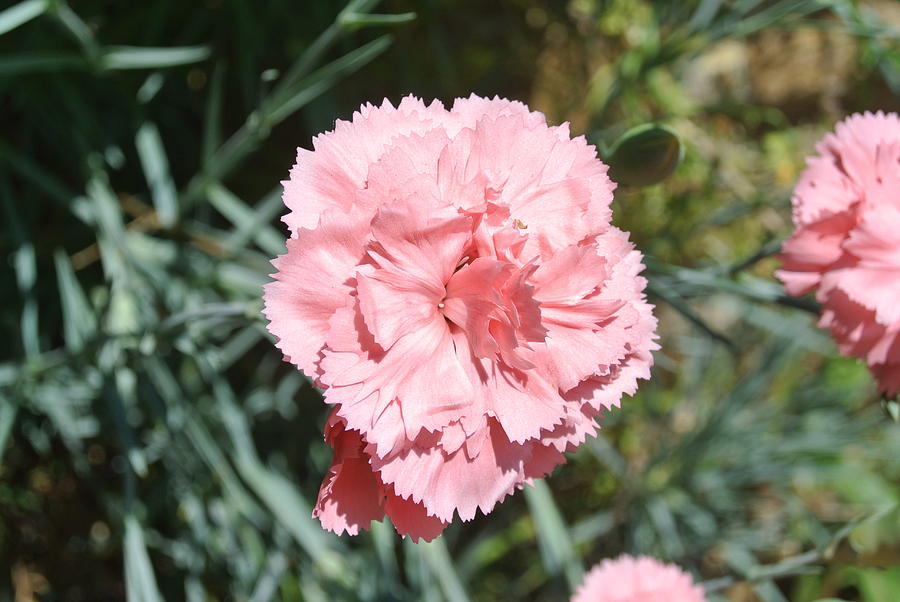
point(156, 447)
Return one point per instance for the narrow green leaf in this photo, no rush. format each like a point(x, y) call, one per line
point(156, 170)
point(555, 542)
point(704, 13)
point(679, 304)
point(768, 592)
point(8, 412)
point(241, 215)
point(207, 311)
point(645, 155)
point(323, 79)
point(46, 181)
point(442, 568)
point(282, 498)
point(267, 585)
point(420, 574)
point(664, 523)
point(891, 409)
point(146, 57)
point(879, 584)
point(40, 62)
point(21, 13)
point(199, 436)
point(263, 213)
point(288, 97)
point(873, 532)
point(351, 21)
point(119, 397)
point(24, 260)
point(239, 345)
point(317, 49)
point(77, 28)
point(106, 208)
point(212, 116)
point(140, 581)
point(79, 322)
point(241, 279)
point(384, 541)
point(151, 87)
point(292, 512)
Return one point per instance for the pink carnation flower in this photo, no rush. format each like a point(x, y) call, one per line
point(641, 579)
point(846, 245)
point(453, 283)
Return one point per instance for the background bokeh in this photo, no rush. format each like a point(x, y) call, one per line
point(156, 447)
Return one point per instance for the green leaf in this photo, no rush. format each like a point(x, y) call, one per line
point(140, 582)
point(323, 79)
point(879, 585)
point(77, 28)
point(151, 87)
point(317, 49)
point(21, 13)
point(243, 216)
point(891, 408)
point(8, 411)
point(555, 542)
point(267, 586)
point(258, 226)
point(107, 212)
point(156, 170)
point(881, 529)
point(40, 62)
point(79, 322)
point(441, 565)
point(645, 155)
point(147, 57)
point(45, 181)
point(679, 304)
point(351, 21)
point(212, 116)
point(24, 260)
point(288, 506)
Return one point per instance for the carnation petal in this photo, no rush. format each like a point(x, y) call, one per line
point(445, 483)
point(411, 518)
point(313, 279)
point(350, 497)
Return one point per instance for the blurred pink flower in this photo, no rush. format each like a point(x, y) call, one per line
point(846, 246)
point(453, 283)
point(641, 579)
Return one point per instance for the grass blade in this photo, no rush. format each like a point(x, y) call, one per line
point(441, 565)
point(280, 496)
point(267, 586)
point(212, 119)
point(8, 411)
point(79, 322)
point(24, 260)
point(351, 21)
point(246, 220)
point(156, 169)
point(553, 535)
point(324, 78)
point(40, 62)
point(21, 13)
point(140, 582)
point(148, 57)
